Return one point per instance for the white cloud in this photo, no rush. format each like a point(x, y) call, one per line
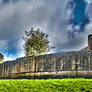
point(3, 45)
point(89, 1)
point(8, 57)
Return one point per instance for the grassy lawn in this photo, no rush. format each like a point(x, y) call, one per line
point(50, 85)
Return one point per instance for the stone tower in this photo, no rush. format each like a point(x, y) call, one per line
point(90, 42)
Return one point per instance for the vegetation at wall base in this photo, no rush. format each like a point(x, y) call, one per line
point(50, 85)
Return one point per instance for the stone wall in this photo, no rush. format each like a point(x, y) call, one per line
point(90, 42)
point(68, 63)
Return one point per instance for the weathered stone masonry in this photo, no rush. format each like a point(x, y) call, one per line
point(68, 63)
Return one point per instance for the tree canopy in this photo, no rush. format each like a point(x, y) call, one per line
point(36, 42)
point(1, 57)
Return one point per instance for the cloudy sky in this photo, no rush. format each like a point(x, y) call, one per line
point(67, 22)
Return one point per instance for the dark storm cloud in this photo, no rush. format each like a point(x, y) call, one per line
point(51, 16)
point(16, 17)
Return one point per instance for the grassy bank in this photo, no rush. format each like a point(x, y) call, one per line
point(51, 85)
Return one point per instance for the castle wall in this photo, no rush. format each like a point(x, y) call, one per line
point(62, 64)
point(90, 42)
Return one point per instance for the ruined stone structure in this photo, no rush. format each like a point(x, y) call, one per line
point(53, 65)
point(90, 42)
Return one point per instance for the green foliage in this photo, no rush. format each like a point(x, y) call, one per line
point(36, 42)
point(50, 85)
point(1, 57)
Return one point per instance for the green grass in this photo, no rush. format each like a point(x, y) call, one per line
point(50, 85)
